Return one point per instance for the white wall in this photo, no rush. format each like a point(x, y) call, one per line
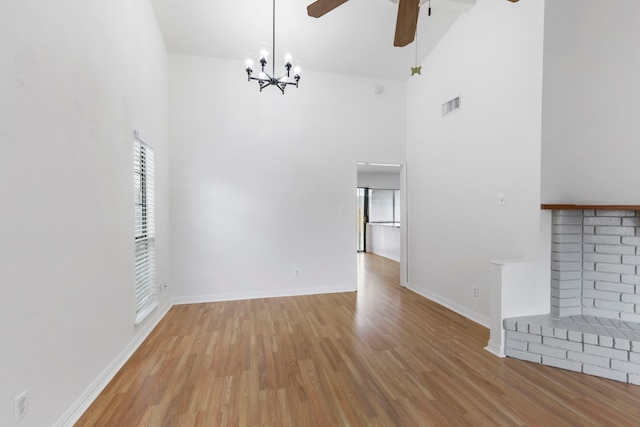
point(520, 288)
point(590, 146)
point(385, 181)
point(76, 79)
point(258, 179)
point(384, 240)
point(492, 57)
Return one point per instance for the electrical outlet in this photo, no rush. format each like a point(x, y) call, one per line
point(475, 291)
point(297, 272)
point(162, 287)
point(21, 406)
point(501, 199)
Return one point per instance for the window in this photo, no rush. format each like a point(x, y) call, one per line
point(384, 206)
point(144, 238)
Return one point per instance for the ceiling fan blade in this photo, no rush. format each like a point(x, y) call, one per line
point(407, 22)
point(320, 7)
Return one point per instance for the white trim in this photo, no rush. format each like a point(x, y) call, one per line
point(461, 310)
point(263, 294)
point(495, 349)
point(146, 312)
point(85, 400)
point(404, 226)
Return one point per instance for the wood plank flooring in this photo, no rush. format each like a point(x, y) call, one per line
point(383, 356)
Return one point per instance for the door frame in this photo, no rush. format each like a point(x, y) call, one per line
point(404, 216)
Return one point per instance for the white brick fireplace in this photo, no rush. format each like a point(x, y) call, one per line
point(591, 323)
point(595, 262)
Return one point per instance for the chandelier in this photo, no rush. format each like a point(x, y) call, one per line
point(264, 79)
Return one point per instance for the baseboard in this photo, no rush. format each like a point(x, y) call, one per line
point(495, 350)
point(85, 400)
point(461, 310)
point(236, 296)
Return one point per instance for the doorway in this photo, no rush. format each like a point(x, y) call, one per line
point(378, 221)
point(381, 213)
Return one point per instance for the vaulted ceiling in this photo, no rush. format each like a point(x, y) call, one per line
point(356, 38)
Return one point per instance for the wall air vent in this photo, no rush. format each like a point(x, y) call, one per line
point(451, 106)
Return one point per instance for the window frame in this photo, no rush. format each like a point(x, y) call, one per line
point(144, 229)
point(394, 208)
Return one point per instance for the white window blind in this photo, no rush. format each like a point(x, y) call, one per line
point(144, 239)
point(396, 206)
point(384, 206)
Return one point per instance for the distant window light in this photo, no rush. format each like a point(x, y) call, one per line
point(384, 206)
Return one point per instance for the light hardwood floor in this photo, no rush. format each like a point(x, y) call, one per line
point(383, 356)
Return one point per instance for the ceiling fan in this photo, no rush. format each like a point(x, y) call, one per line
point(406, 22)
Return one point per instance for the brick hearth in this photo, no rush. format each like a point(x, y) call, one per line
point(594, 323)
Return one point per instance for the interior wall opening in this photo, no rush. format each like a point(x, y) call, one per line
point(379, 222)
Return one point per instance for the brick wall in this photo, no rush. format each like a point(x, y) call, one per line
point(595, 262)
point(594, 323)
point(591, 345)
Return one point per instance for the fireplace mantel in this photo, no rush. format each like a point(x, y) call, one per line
point(590, 207)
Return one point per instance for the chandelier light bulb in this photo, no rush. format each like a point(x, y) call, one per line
point(296, 71)
point(249, 63)
point(288, 58)
point(264, 53)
